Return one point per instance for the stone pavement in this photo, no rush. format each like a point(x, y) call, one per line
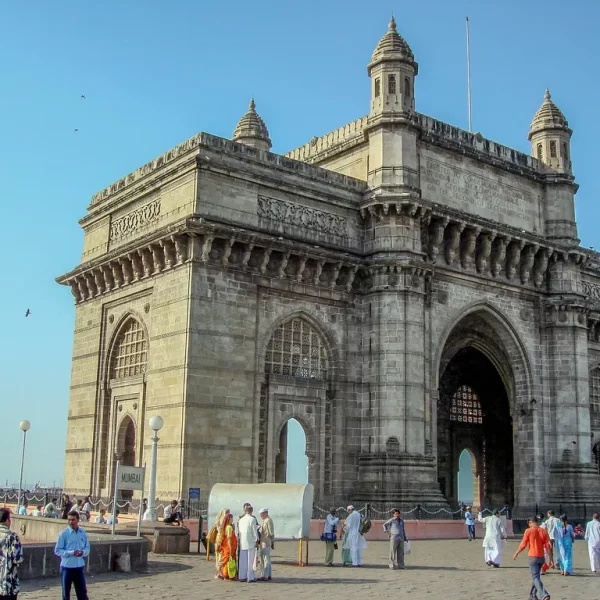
point(436, 569)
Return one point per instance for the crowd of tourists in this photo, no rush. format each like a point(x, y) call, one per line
point(84, 507)
point(549, 541)
point(243, 545)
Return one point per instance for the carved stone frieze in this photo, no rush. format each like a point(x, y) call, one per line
point(273, 209)
point(135, 219)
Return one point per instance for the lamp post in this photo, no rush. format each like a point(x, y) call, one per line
point(156, 423)
point(24, 427)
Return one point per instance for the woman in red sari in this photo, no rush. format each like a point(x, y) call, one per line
point(227, 548)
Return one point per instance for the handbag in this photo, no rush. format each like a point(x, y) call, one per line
point(328, 537)
point(231, 568)
point(407, 547)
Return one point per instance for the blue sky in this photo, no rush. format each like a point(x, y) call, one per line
point(155, 73)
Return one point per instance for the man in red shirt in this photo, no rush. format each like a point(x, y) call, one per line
point(537, 539)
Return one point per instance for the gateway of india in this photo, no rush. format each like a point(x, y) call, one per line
point(404, 289)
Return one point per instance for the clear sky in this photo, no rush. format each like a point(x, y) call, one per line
point(155, 73)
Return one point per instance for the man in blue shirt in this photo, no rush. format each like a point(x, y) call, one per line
point(73, 547)
point(470, 522)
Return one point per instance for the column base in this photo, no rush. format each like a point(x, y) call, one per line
point(407, 480)
point(574, 488)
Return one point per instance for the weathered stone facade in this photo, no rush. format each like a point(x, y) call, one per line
point(402, 288)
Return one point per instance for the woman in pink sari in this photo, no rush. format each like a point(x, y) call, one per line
point(227, 549)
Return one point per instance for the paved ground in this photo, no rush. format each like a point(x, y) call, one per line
point(445, 569)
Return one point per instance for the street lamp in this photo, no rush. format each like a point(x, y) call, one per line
point(156, 423)
point(24, 427)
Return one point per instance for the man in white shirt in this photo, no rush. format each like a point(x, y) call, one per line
point(330, 528)
point(248, 541)
point(592, 537)
point(550, 526)
point(37, 512)
point(355, 542)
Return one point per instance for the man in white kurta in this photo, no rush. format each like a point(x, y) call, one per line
point(493, 541)
point(355, 542)
point(248, 539)
point(592, 537)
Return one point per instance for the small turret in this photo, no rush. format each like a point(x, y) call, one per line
point(252, 131)
point(550, 136)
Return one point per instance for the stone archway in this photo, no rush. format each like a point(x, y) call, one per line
point(125, 451)
point(284, 455)
point(485, 405)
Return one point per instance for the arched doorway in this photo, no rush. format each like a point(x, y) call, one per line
point(468, 479)
point(126, 449)
point(291, 464)
point(474, 413)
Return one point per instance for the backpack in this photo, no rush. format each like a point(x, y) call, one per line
point(365, 526)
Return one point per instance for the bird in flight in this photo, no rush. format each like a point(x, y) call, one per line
point(27, 313)
point(82, 97)
point(76, 131)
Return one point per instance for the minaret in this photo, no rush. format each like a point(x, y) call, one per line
point(252, 131)
point(550, 139)
point(550, 136)
point(393, 163)
point(392, 71)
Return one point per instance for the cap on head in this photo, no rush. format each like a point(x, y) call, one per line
point(350, 507)
point(264, 510)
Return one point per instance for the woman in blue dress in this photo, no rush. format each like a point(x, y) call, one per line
point(565, 536)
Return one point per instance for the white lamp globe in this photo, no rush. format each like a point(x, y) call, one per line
point(156, 423)
point(24, 425)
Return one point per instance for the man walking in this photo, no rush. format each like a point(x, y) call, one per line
point(550, 526)
point(397, 533)
point(592, 537)
point(493, 543)
point(11, 556)
point(73, 548)
point(470, 523)
point(355, 542)
point(330, 528)
point(248, 543)
point(537, 539)
point(267, 541)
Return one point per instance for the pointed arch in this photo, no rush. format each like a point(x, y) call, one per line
point(298, 346)
point(502, 346)
point(126, 441)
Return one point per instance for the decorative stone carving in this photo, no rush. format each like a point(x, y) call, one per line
point(318, 271)
point(485, 249)
point(247, 253)
point(436, 237)
point(301, 267)
point(335, 272)
point(134, 220)
point(540, 267)
point(284, 262)
point(206, 247)
point(273, 209)
point(527, 260)
point(146, 262)
point(98, 282)
point(169, 257)
point(227, 251)
point(117, 273)
point(498, 254)
point(180, 249)
point(453, 242)
point(265, 260)
point(111, 319)
point(591, 290)
point(468, 247)
point(513, 255)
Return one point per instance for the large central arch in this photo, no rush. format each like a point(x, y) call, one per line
point(483, 378)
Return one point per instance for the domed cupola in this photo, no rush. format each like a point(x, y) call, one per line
point(252, 131)
point(392, 71)
point(550, 136)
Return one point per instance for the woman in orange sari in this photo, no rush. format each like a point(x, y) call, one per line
point(227, 548)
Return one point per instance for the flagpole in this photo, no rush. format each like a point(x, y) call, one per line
point(469, 75)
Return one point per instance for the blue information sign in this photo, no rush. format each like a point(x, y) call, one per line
point(194, 494)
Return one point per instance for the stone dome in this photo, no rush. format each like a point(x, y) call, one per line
point(548, 116)
point(251, 130)
point(392, 46)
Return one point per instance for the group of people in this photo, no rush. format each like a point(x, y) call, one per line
point(243, 549)
point(72, 547)
point(83, 507)
point(549, 541)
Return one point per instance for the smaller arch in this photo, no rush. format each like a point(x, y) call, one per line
point(126, 441)
point(118, 330)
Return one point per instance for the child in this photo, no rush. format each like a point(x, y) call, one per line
point(579, 532)
point(101, 519)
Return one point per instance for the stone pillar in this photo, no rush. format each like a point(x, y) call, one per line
point(573, 479)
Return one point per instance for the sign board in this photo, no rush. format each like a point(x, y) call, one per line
point(130, 478)
point(194, 494)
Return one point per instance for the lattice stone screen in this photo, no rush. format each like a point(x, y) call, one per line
point(595, 389)
point(466, 407)
point(129, 356)
point(297, 350)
